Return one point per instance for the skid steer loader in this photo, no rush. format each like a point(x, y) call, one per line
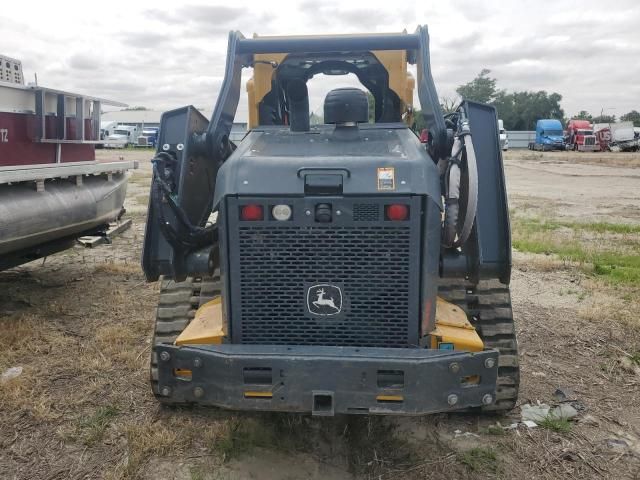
point(344, 267)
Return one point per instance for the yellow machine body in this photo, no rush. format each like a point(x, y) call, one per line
point(453, 328)
point(401, 81)
point(207, 327)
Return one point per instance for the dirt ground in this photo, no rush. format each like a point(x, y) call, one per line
point(79, 325)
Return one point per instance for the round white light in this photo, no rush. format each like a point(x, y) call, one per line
point(281, 212)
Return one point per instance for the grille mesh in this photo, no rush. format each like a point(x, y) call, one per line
point(366, 212)
point(589, 140)
point(371, 263)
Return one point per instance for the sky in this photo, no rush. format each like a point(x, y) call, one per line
point(164, 55)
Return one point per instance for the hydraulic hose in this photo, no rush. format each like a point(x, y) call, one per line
point(453, 238)
point(472, 194)
point(186, 235)
point(452, 193)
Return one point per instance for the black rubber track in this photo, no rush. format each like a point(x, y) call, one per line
point(489, 307)
point(177, 305)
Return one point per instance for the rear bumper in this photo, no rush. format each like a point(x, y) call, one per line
point(327, 380)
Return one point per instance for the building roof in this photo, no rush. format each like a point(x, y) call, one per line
point(138, 116)
point(141, 116)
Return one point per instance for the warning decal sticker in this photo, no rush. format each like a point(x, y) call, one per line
point(386, 178)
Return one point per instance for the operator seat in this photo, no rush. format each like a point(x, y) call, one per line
point(346, 107)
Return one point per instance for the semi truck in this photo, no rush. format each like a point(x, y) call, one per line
point(149, 137)
point(122, 137)
point(580, 136)
point(549, 135)
point(107, 128)
point(619, 136)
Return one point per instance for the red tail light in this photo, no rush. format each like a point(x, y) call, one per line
point(251, 213)
point(397, 212)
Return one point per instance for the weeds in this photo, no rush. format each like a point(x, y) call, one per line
point(480, 459)
point(92, 428)
point(495, 430)
point(618, 262)
point(616, 268)
point(196, 473)
point(529, 225)
point(279, 432)
point(560, 425)
point(242, 437)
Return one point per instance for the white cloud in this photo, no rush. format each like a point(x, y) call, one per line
point(164, 54)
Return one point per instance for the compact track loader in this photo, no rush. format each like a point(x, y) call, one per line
point(344, 267)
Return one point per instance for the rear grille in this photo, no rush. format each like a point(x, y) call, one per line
point(372, 264)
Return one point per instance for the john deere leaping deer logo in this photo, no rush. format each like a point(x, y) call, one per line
point(324, 300)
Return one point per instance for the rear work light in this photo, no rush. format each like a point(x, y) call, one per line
point(396, 212)
point(281, 212)
point(251, 213)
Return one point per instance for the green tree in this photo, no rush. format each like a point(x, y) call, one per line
point(518, 110)
point(418, 121)
point(604, 119)
point(583, 115)
point(447, 105)
point(481, 89)
point(632, 116)
point(521, 110)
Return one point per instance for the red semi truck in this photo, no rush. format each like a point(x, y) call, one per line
point(581, 137)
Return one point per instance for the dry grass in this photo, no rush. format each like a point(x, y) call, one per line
point(145, 440)
point(609, 159)
point(83, 409)
point(118, 268)
point(545, 263)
